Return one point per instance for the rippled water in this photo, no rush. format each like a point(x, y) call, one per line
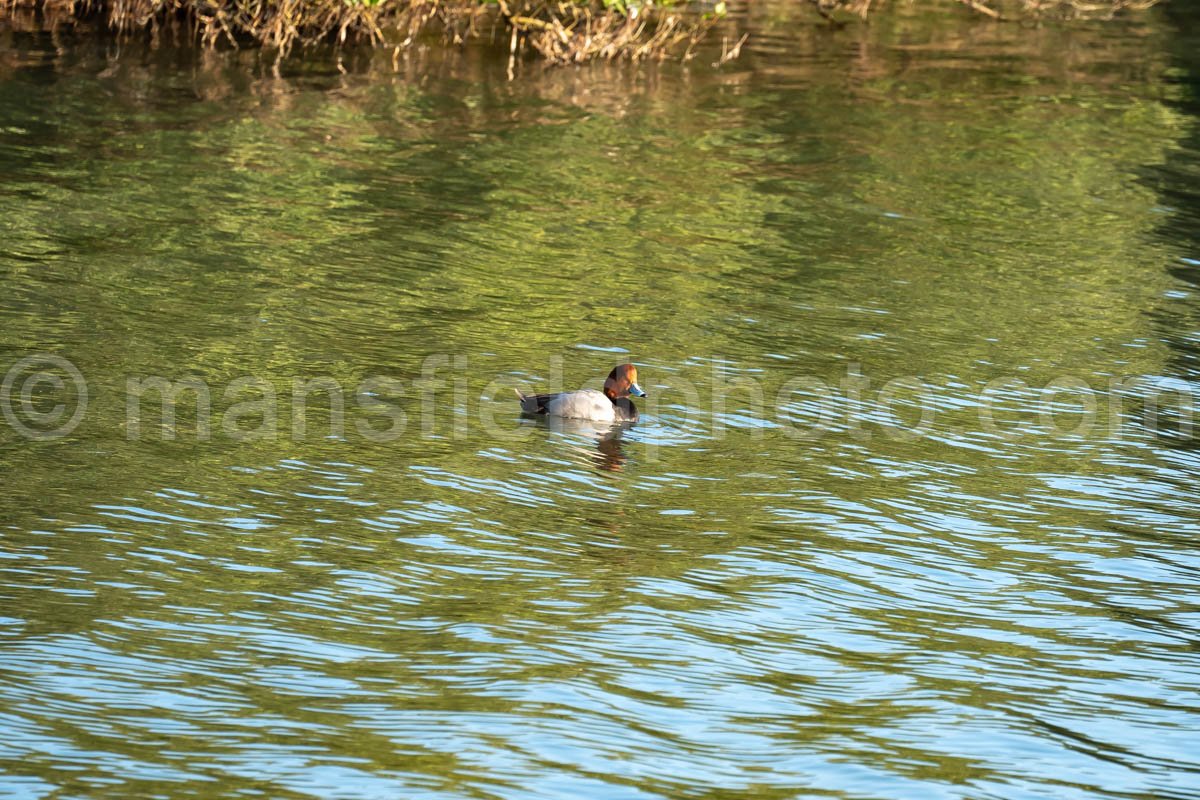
point(911, 511)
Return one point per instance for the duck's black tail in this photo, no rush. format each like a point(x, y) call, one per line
point(533, 403)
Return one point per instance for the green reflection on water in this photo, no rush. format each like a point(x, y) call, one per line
point(706, 606)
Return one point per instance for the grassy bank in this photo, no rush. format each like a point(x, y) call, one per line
point(563, 32)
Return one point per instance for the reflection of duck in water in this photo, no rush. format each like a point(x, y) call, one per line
point(611, 405)
point(609, 454)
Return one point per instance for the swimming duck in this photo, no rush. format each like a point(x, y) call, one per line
point(611, 405)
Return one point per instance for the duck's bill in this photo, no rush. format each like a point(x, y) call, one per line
point(636, 390)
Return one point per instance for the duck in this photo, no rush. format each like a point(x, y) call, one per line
point(611, 405)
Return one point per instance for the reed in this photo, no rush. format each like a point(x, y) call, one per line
point(560, 31)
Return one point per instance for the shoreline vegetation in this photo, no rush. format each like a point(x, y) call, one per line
point(560, 32)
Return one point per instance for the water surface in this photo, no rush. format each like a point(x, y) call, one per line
point(911, 512)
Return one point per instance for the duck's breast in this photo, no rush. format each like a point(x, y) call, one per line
point(583, 404)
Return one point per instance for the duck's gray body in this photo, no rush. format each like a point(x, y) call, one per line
point(582, 404)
